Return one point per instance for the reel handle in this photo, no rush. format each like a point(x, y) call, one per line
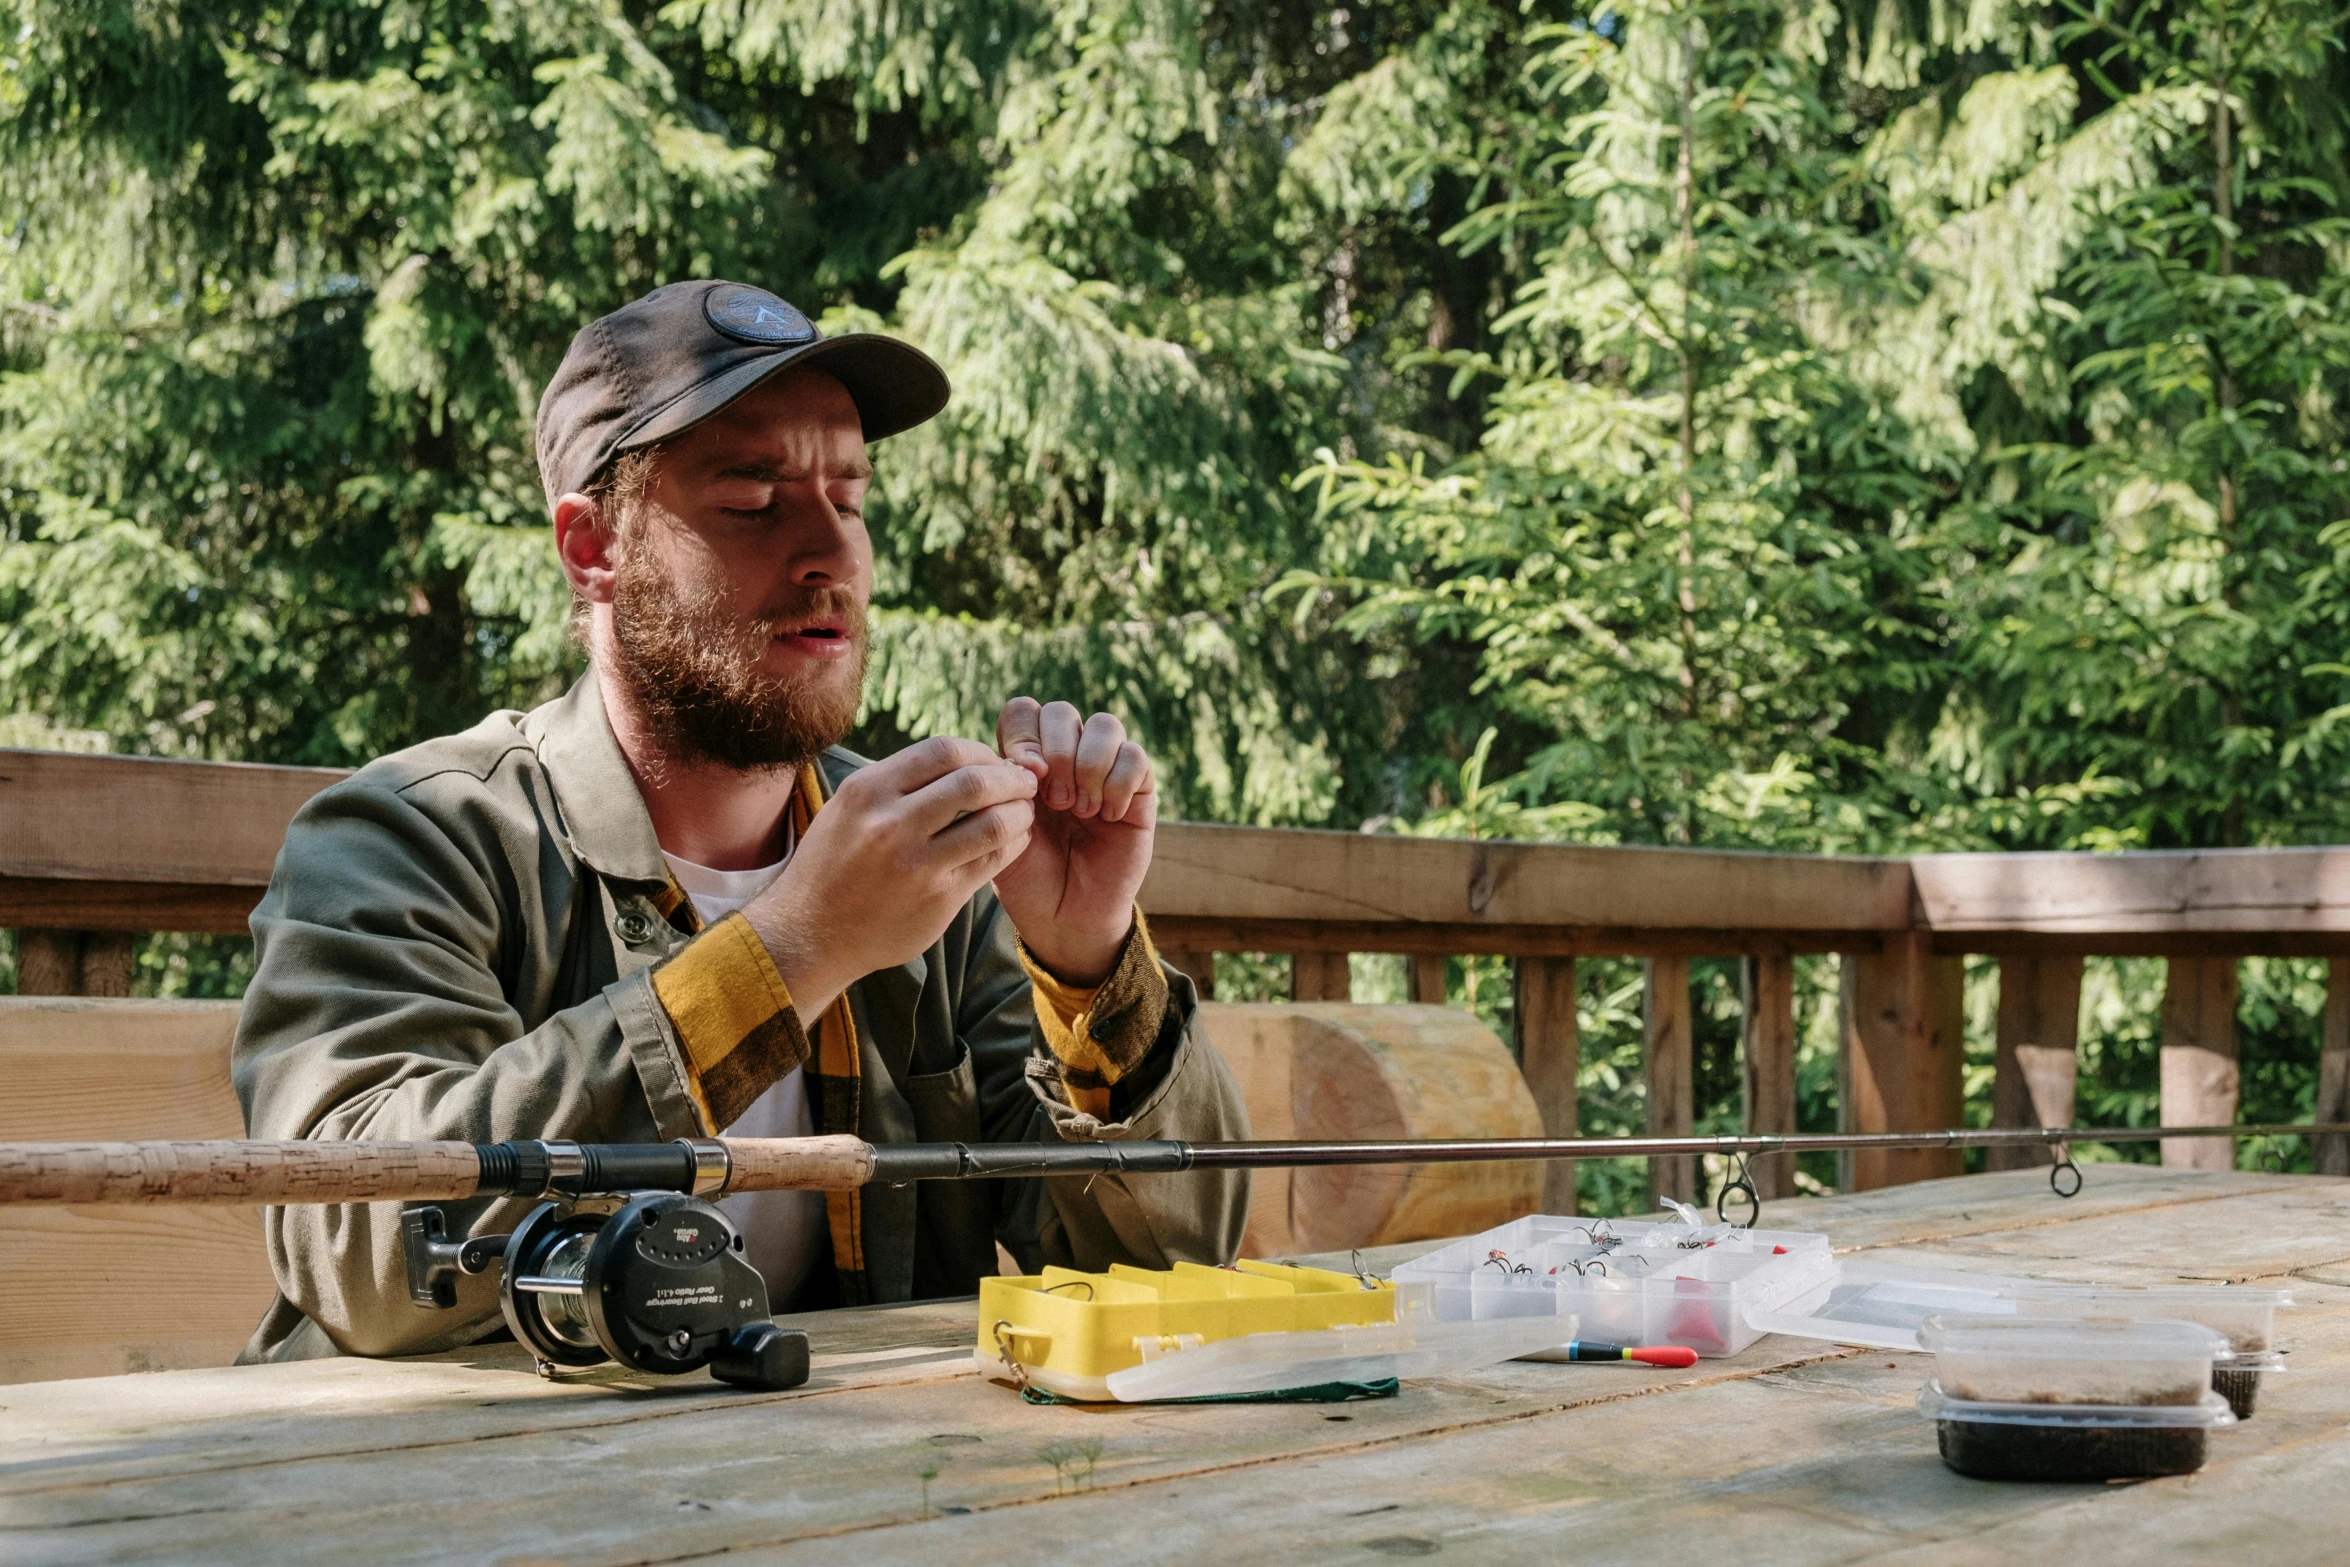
point(763, 1356)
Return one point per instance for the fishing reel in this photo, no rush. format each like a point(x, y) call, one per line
point(655, 1281)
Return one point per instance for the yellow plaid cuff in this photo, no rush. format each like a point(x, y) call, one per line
point(734, 1018)
point(1100, 1035)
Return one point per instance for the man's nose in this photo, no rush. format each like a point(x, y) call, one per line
point(823, 544)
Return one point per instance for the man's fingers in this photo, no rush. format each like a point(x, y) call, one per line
point(1130, 776)
point(1019, 733)
point(997, 834)
point(1061, 728)
point(920, 765)
point(1097, 750)
point(967, 791)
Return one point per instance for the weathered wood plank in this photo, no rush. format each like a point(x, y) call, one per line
point(2191, 891)
point(1813, 1455)
point(126, 905)
point(2332, 1154)
point(1549, 1054)
point(1826, 1461)
point(1425, 976)
point(99, 1291)
point(140, 819)
point(73, 962)
point(1233, 933)
point(2200, 1078)
point(1668, 1062)
point(2037, 1056)
point(1320, 976)
point(1901, 1068)
point(1768, 1066)
point(1257, 873)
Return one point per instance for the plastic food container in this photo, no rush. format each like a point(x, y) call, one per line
point(2246, 1318)
point(1625, 1282)
point(2071, 1360)
point(2078, 1442)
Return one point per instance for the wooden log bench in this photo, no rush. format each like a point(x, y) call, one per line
point(899, 1451)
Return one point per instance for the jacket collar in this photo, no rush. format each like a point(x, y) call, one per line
point(610, 828)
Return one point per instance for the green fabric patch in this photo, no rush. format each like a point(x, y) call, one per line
point(1319, 1393)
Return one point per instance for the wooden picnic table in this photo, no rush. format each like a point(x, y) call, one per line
point(896, 1451)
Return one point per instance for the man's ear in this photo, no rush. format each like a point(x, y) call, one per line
point(585, 547)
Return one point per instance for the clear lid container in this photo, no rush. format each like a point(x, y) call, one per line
point(2071, 1360)
point(1413, 1346)
point(1883, 1304)
point(2208, 1412)
point(2245, 1317)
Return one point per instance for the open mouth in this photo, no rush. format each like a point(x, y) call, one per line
point(824, 636)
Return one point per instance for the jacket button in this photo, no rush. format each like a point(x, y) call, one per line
point(635, 928)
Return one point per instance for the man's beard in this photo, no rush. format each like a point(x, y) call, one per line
point(693, 670)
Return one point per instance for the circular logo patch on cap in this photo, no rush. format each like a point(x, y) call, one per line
point(752, 315)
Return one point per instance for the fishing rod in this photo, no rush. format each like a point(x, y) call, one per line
point(276, 1173)
point(623, 1257)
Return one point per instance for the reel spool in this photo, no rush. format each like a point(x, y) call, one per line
point(658, 1284)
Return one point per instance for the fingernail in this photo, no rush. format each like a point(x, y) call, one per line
point(1061, 797)
point(1087, 805)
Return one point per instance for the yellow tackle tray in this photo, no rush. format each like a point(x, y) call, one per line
point(1068, 1330)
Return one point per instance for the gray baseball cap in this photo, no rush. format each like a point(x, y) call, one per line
point(659, 366)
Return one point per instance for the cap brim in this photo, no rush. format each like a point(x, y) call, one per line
point(895, 386)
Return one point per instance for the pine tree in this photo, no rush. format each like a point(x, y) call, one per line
point(1686, 545)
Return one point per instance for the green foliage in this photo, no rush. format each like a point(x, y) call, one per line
point(267, 489)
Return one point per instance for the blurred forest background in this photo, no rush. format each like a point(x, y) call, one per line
point(1743, 424)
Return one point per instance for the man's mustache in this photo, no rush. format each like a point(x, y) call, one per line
point(820, 604)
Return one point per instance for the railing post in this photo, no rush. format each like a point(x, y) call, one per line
point(1901, 1068)
point(1424, 978)
point(1201, 966)
point(1769, 1026)
point(2038, 1053)
point(73, 963)
point(1319, 976)
point(2332, 1154)
point(1549, 1051)
point(1672, 1086)
point(2200, 1079)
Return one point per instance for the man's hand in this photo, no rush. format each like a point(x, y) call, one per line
point(1071, 894)
point(887, 864)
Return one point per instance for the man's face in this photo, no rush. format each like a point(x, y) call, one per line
point(738, 598)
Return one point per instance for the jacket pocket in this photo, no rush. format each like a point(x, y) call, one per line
point(946, 1104)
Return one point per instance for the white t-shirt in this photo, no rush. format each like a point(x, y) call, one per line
point(782, 1231)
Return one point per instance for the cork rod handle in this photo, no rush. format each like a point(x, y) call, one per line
point(798, 1164)
point(329, 1172)
point(236, 1172)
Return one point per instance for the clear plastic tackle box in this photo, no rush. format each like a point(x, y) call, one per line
point(1625, 1282)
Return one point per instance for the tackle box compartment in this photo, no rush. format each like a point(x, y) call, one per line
point(1627, 1282)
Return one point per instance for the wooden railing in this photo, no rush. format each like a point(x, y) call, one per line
point(93, 848)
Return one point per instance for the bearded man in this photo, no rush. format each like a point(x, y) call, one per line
point(668, 905)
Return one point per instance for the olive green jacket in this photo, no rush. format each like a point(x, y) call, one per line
point(460, 942)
